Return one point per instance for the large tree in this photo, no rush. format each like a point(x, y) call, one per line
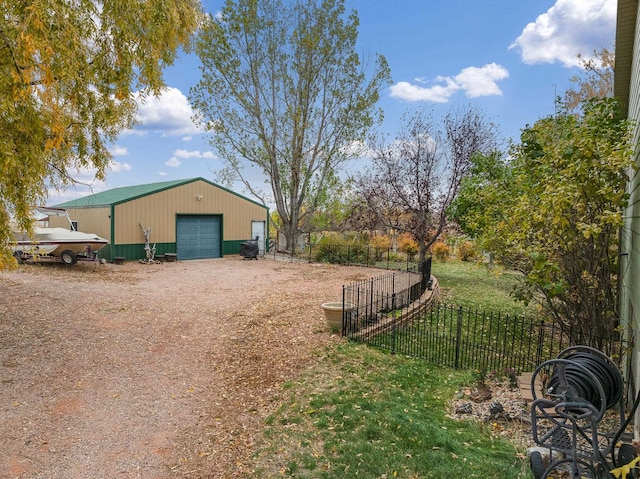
point(554, 210)
point(283, 90)
point(415, 177)
point(68, 72)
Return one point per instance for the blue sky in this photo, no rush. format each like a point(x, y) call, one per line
point(508, 58)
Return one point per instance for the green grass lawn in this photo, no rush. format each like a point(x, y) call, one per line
point(474, 285)
point(367, 414)
point(364, 413)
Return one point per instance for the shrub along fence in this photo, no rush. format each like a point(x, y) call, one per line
point(350, 254)
point(453, 336)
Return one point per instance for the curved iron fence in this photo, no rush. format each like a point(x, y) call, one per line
point(385, 313)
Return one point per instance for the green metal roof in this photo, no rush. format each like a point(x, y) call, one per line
point(127, 193)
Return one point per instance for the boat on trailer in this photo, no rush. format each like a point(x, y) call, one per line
point(56, 244)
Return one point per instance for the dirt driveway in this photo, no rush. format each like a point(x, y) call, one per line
point(152, 371)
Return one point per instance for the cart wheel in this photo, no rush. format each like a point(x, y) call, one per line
point(573, 468)
point(68, 257)
point(626, 454)
point(537, 464)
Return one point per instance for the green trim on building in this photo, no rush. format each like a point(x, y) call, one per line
point(105, 252)
point(116, 196)
point(124, 194)
point(136, 251)
point(231, 247)
point(112, 239)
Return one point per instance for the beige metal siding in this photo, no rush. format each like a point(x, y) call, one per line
point(158, 212)
point(90, 220)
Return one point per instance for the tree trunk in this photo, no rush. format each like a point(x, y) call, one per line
point(422, 251)
point(291, 234)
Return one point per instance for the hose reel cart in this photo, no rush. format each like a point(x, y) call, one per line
point(580, 386)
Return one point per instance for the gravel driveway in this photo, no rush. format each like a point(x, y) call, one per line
point(152, 371)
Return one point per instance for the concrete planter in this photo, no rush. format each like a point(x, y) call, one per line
point(333, 314)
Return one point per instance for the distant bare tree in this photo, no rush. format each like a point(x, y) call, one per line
point(595, 82)
point(414, 178)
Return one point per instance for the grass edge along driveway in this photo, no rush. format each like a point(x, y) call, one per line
point(363, 413)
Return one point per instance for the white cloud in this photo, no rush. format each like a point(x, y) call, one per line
point(482, 81)
point(118, 150)
point(357, 149)
point(474, 81)
point(170, 113)
point(566, 29)
point(173, 162)
point(117, 167)
point(193, 154)
point(180, 154)
point(163, 173)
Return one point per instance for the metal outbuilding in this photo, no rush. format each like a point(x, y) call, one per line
point(194, 218)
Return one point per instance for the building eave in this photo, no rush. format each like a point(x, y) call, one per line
point(625, 36)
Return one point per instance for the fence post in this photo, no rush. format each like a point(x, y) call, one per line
point(344, 312)
point(371, 298)
point(425, 271)
point(540, 344)
point(458, 338)
point(395, 327)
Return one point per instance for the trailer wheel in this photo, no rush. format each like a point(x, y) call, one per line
point(68, 257)
point(18, 256)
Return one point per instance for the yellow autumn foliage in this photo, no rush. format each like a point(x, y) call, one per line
point(68, 74)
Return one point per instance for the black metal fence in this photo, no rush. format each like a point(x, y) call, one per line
point(374, 298)
point(350, 254)
point(457, 337)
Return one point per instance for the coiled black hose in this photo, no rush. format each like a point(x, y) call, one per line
point(578, 381)
point(581, 385)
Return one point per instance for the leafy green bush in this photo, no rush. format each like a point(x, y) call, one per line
point(339, 251)
point(395, 258)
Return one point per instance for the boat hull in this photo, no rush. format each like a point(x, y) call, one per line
point(54, 241)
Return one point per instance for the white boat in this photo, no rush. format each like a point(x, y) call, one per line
point(55, 243)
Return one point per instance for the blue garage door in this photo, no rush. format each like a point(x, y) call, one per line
point(198, 237)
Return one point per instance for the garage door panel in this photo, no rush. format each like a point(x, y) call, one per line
point(198, 237)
